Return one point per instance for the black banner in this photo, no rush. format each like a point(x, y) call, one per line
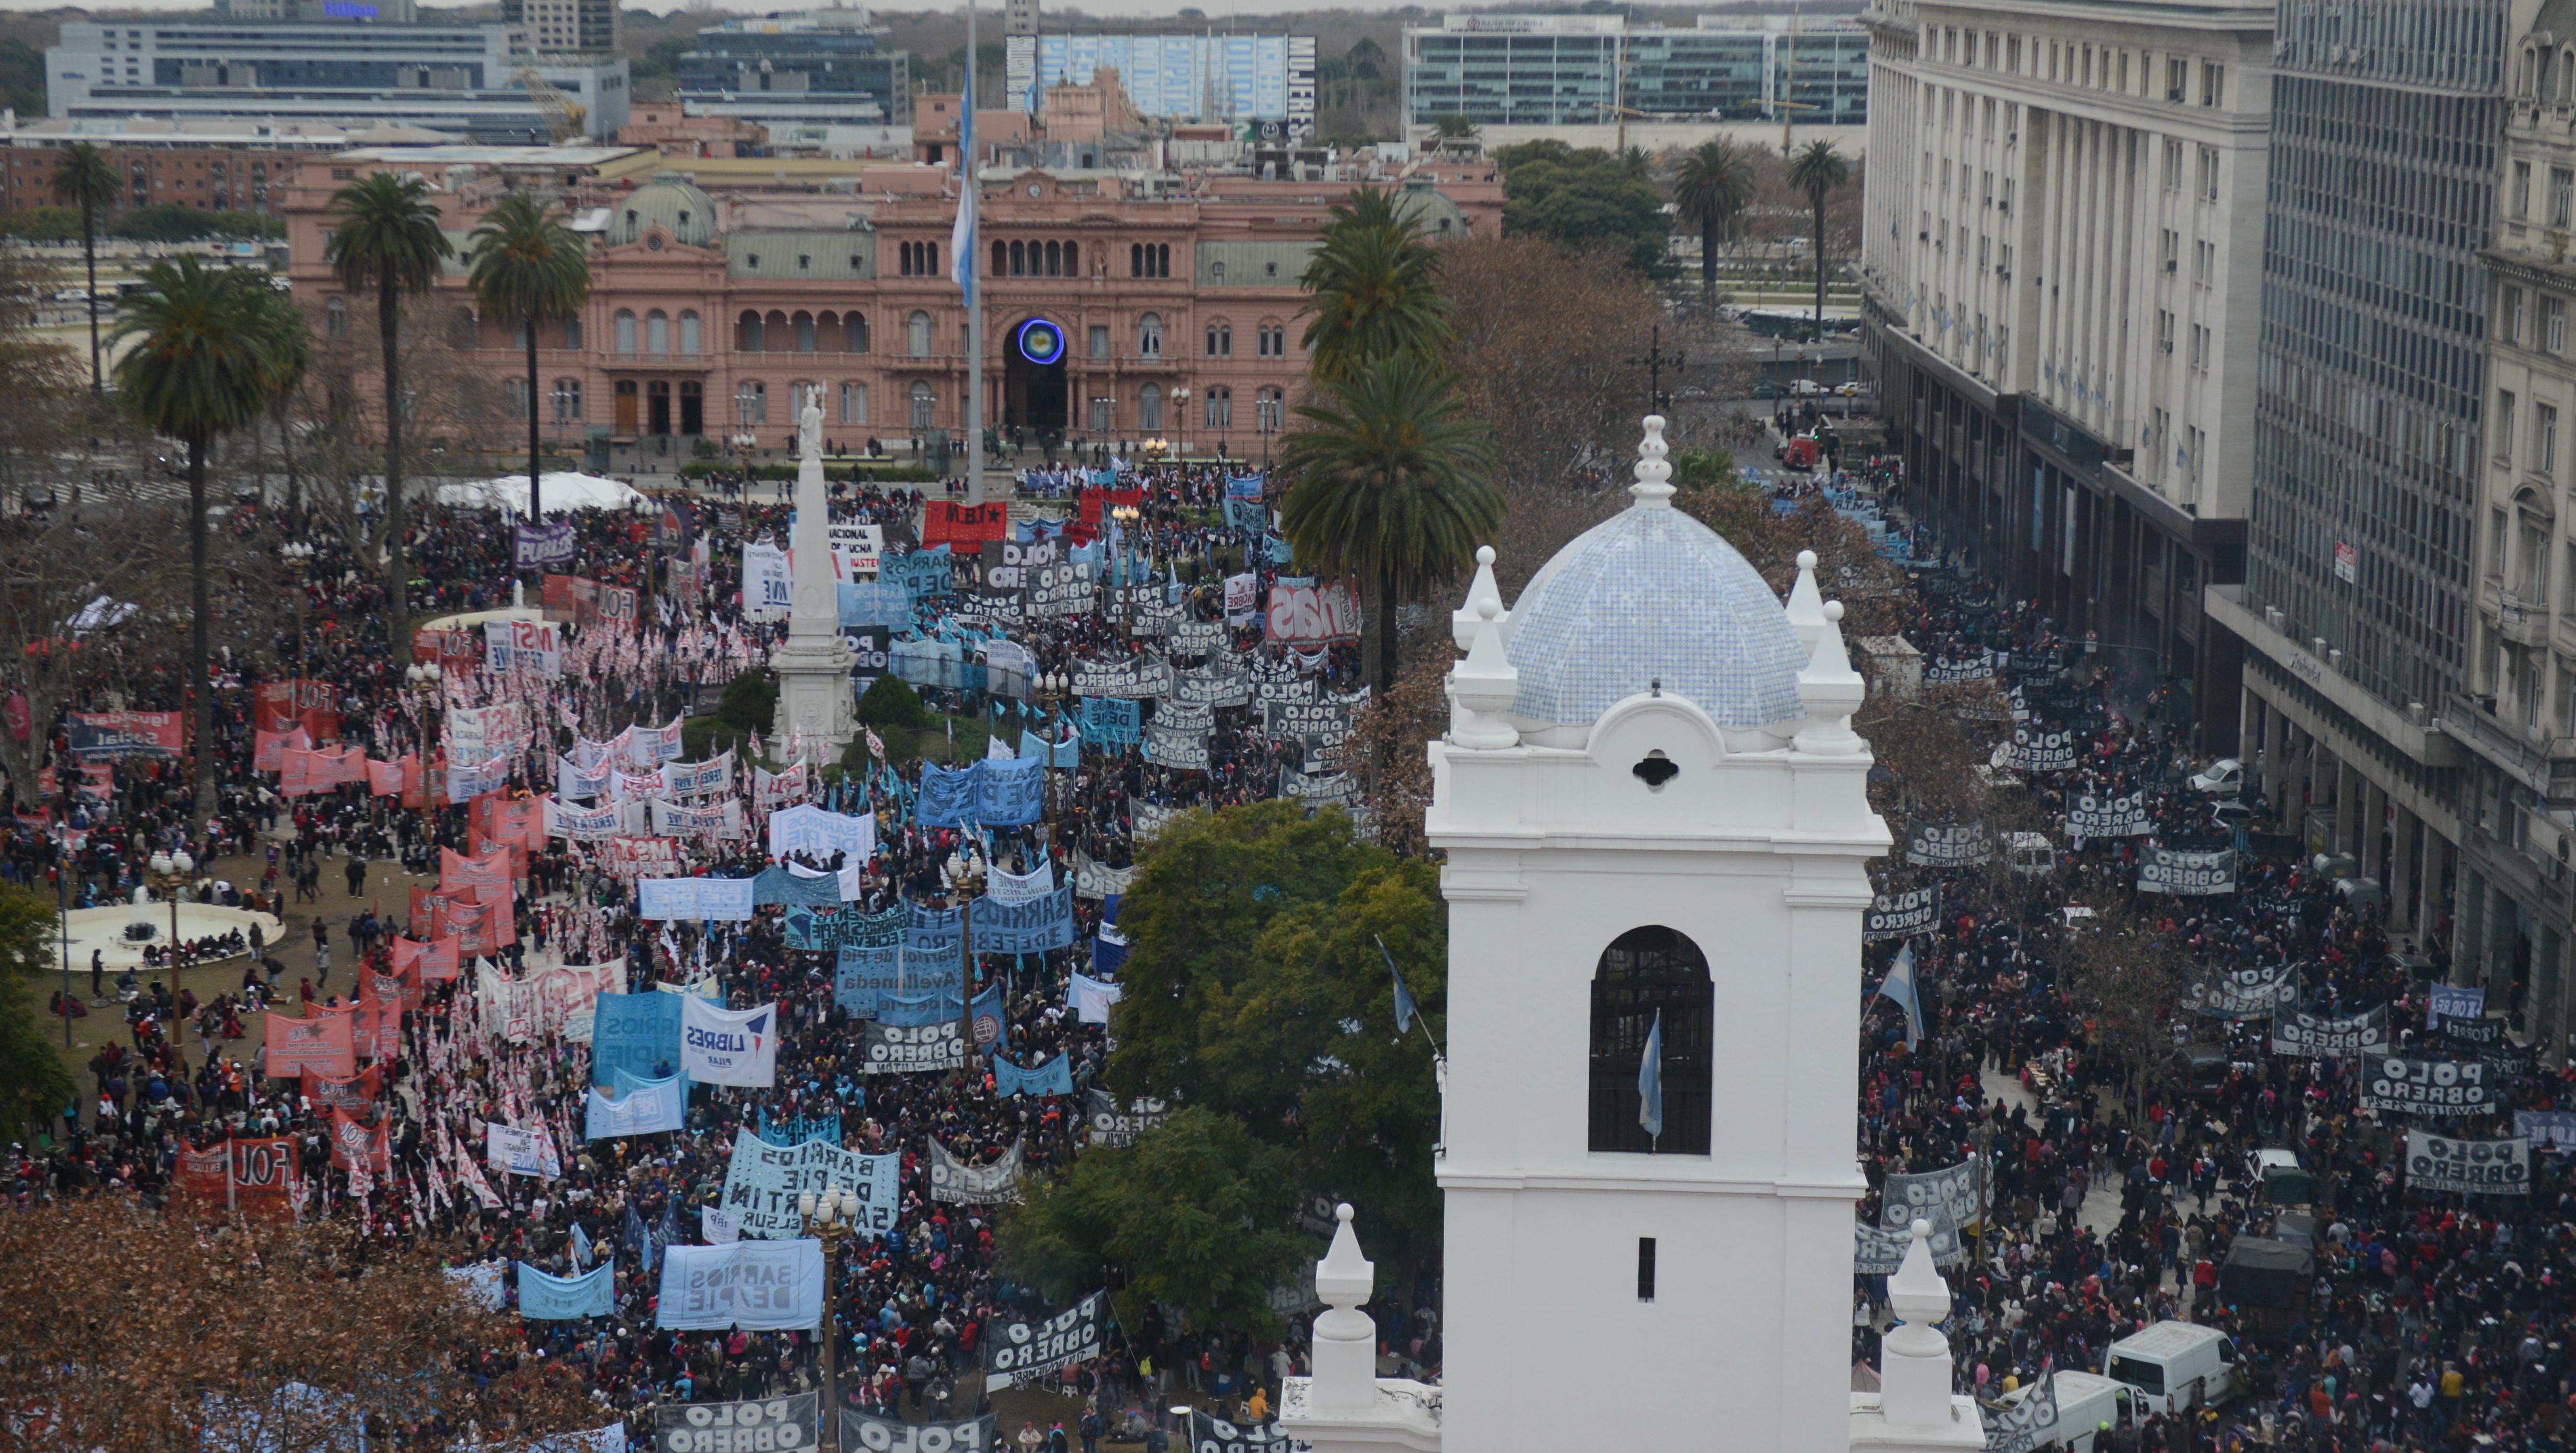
point(1902, 915)
point(868, 1433)
point(2245, 993)
point(2425, 1086)
point(1112, 1126)
point(2486, 1167)
point(2092, 816)
point(1025, 1350)
point(1216, 1435)
point(2188, 874)
point(1135, 677)
point(768, 1425)
point(889, 1049)
point(2473, 1034)
point(2042, 749)
point(1965, 845)
point(2304, 1032)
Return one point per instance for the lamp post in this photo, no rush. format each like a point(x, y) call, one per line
point(965, 881)
point(299, 558)
point(169, 872)
point(1181, 413)
point(1051, 689)
point(827, 1219)
point(63, 925)
point(428, 683)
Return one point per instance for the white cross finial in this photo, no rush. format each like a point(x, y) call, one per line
point(1654, 486)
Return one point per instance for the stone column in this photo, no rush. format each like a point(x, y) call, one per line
point(2374, 825)
point(2276, 757)
point(2321, 777)
point(2437, 866)
point(2468, 929)
point(2347, 809)
point(2402, 884)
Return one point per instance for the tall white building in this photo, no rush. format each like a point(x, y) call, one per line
point(2062, 260)
point(1657, 827)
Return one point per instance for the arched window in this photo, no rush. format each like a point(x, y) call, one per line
point(690, 342)
point(1220, 408)
point(572, 334)
point(1220, 340)
point(335, 318)
point(1149, 408)
point(1644, 973)
point(657, 332)
point(751, 402)
point(1135, 259)
point(1001, 259)
point(924, 404)
point(1019, 259)
point(774, 329)
point(1149, 335)
point(626, 331)
point(1273, 340)
point(804, 335)
point(858, 329)
point(746, 332)
point(567, 400)
point(916, 330)
point(1055, 259)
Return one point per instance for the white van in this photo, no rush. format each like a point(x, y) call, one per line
point(2175, 1366)
point(2084, 1403)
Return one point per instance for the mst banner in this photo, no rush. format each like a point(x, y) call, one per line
point(2425, 1086)
point(1033, 1349)
point(2488, 1167)
point(770, 1425)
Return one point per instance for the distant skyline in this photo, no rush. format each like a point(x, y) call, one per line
point(1217, 12)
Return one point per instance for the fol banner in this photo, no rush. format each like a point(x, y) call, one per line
point(2488, 1167)
point(770, 1425)
point(1023, 1351)
point(764, 1180)
point(758, 1286)
point(958, 1183)
point(2425, 1086)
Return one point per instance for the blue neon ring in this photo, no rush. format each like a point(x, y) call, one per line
point(1040, 341)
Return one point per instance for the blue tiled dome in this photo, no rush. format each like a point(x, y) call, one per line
point(1653, 595)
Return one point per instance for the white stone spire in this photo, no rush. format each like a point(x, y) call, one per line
point(1654, 486)
point(1914, 1408)
point(1806, 606)
point(1482, 687)
point(1346, 1407)
point(1462, 621)
point(1831, 691)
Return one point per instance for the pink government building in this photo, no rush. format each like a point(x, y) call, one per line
point(1139, 280)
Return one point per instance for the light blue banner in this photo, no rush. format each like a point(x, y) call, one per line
point(634, 1032)
point(544, 1298)
point(862, 975)
point(876, 603)
point(1055, 1077)
point(1037, 924)
point(642, 1107)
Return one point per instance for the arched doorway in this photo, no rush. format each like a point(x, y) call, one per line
point(1650, 975)
point(1033, 378)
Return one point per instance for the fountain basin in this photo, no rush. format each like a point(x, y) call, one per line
point(103, 929)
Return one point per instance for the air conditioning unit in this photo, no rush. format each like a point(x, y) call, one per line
point(2164, 345)
point(2171, 265)
point(1922, 236)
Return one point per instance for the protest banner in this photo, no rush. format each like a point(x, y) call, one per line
point(1211, 1434)
point(1179, 748)
point(96, 734)
point(932, 937)
point(824, 930)
point(1964, 845)
point(517, 1152)
point(1033, 926)
point(2555, 1129)
point(2248, 993)
point(1312, 615)
point(767, 1425)
point(1902, 915)
point(1949, 1198)
point(757, 1286)
point(1878, 1251)
point(727, 900)
point(2024, 1426)
point(2305, 1032)
point(768, 588)
point(648, 1108)
point(2454, 1001)
point(720, 1046)
point(806, 828)
point(2487, 1167)
point(947, 522)
point(863, 1432)
point(797, 1129)
point(638, 1033)
point(862, 975)
point(1054, 1077)
point(893, 1049)
point(1026, 1351)
point(1112, 1125)
point(323, 1044)
point(2188, 873)
point(2424, 1087)
point(958, 1183)
point(2041, 749)
point(544, 1298)
point(2091, 815)
point(762, 1182)
point(1132, 678)
point(1109, 721)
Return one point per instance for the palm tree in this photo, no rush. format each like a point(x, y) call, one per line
point(1453, 126)
point(86, 181)
point(1818, 170)
point(197, 369)
point(1387, 483)
point(1372, 286)
point(528, 265)
point(1712, 189)
point(286, 350)
point(386, 236)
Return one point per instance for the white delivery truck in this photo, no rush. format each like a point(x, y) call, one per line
point(2085, 1405)
point(2176, 1366)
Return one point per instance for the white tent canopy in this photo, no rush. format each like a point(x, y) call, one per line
point(564, 492)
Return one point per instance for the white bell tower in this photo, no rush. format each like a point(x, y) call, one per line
point(1654, 812)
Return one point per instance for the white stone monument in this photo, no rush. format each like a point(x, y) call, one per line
point(815, 706)
point(1657, 829)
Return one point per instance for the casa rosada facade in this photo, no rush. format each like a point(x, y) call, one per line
point(1117, 306)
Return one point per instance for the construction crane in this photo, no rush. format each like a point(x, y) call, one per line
point(565, 117)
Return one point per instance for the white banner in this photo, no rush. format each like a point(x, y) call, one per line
point(768, 589)
point(724, 821)
point(728, 1046)
point(764, 1180)
point(758, 1286)
point(2485, 1167)
point(647, 1109)
point(698, 779)
point(727, 900)
point(521, 1152)
point(533, 646)
point(808, 829)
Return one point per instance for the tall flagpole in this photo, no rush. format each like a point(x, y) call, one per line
point(969, 196)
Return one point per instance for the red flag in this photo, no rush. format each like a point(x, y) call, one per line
point(354, 1143)
point(436, 960)
point(323, 1043)
point(356, 1094)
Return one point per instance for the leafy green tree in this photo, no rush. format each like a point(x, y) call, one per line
point(1587, 198)
point(86, 181)
point(1200, 1215)
point(386, 236)
point(42, 224)
point(529, 265)
point(1388, 482)
point(34, 1084)
point(1256, 989)
point(1711, 190)
point(1817, 171)
point(1372, 289)
point(198, 368)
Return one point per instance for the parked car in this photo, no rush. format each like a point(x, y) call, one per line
point(2085, 1402)
point(2225, 778)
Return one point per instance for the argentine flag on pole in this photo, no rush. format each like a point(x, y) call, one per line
point(1899, 986)
point(961, 241)
point(1650, 1081)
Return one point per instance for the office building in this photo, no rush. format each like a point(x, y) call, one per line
point(822, 68)
point(377, 12)
point(1264, 80)
point(2061, 262)
point(2516, 722)
point(216, 165)
point(566, 27)
point(2356, 608)
point(486, 82)
point(1560, 71)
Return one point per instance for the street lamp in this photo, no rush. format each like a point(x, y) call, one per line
point(428, 683)
point(169, 872)
point(965, 882)
point(299, 558)
point(829, 1219)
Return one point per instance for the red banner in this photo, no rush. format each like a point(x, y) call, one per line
point(458, 874)
point(414, 794)
point(356, 1094)
point(457, 650)
point(296, 771)
point(482, 928)
point(284, 705)
point(352, 1142)
point(384, 779)
point(946, 522)
point(1094, 501)
point(252, 1176)
point(268, 749)
point(433, 961)
point(128, 733)
point(322, 1043)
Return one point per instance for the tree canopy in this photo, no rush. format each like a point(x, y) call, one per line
point(1587, 198)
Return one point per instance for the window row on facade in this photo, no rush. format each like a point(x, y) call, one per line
point(665, 406)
